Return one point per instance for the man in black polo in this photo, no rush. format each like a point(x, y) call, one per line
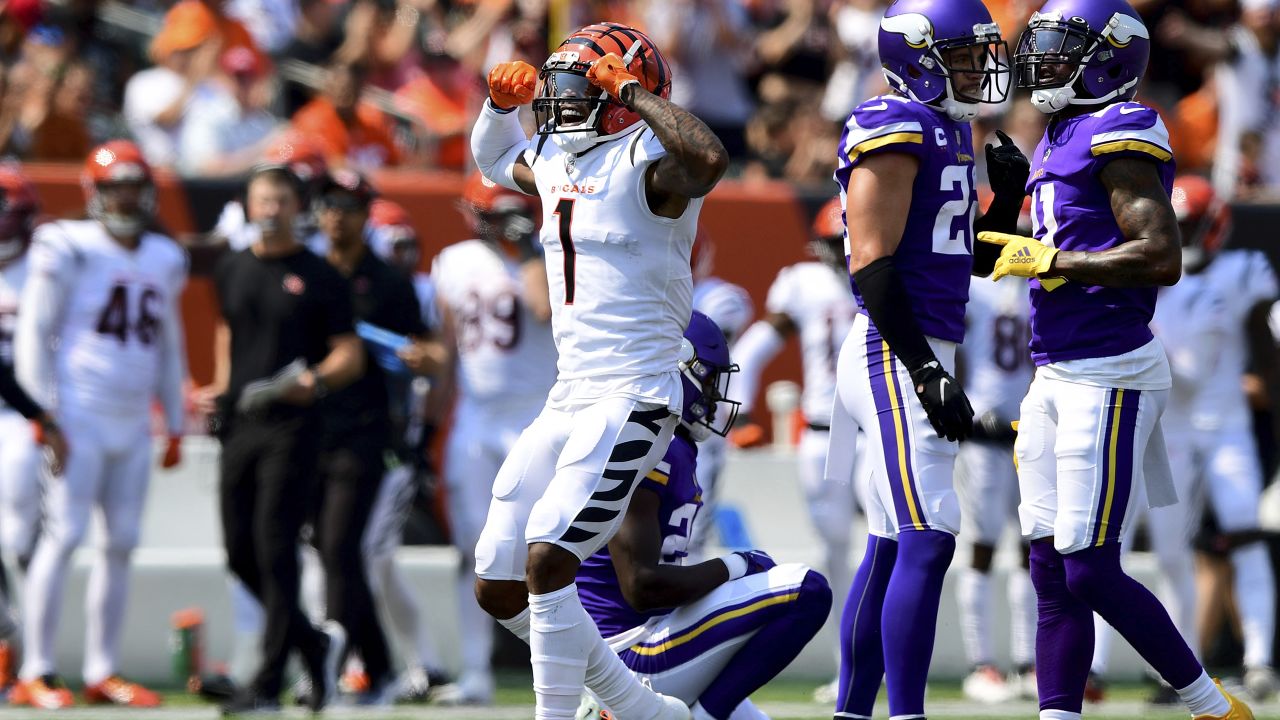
point(287, 341)
point(358, 433)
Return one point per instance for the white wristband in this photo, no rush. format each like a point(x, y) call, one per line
point(736, 564)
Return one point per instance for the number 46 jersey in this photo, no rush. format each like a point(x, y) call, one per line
point(117, 304)
point(934, 257)
point(621, 286)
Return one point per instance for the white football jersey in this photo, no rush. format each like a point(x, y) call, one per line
point(995, 352)
point(110, 345)
point(819, 301)
point(504, 353)
point(619, 276)
point(1205, 315)
point(728, 305)
point(12, 277)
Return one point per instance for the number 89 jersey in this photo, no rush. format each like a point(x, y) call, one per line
point(996, 361)
point(934, 257)
point(619, 277)
point(116, 301)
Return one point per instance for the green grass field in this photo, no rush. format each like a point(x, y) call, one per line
point(782, 700)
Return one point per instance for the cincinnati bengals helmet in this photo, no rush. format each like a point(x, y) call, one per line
point(1203, 218)
point(118, 162)
point(826, 239)
point(391, 235)
point(569, 103)
point(495, 213)
point(18, 209)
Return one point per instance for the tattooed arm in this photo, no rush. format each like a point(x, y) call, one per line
point(1152, 251)
point(695, 159)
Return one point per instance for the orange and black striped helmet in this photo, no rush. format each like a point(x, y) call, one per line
point(568, 102)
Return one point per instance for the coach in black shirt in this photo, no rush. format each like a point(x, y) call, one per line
point(357, 428)
point(285, 309)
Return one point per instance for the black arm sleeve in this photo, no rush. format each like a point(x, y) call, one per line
point(18, 399)
point(889, 306)
point(1001, 217)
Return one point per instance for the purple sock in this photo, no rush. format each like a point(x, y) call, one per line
point(1094, 575)
point(1064, 633)
point(861, 649)
point(909, 619)
point(790, 626)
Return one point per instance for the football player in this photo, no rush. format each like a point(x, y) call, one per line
point(997, 370)
point(737, 620)
point(812, 300)
point(492, 298)
point(621, 173)
point(99, 337)
point(906, 175)
point(729, 307)
point(1203, 324)
point(1106, 237)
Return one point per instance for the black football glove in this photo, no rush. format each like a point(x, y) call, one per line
point(944, 401)
point(1007, 168)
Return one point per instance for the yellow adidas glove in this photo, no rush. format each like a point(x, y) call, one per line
point(1022, 257)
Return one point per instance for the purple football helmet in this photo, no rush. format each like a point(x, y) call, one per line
point(947, 54)
point(1082, 52)
point(705, 369)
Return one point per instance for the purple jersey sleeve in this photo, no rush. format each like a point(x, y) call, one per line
point(1071, 210)
point(674, 481)
point(934, 256)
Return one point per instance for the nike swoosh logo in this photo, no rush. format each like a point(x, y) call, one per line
point(1131, 110)
point(942, 390)
point(881, 106)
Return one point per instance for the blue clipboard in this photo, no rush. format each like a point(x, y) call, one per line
point(382, 345)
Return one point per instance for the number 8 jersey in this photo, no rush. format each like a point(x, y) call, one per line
point(619, 277)
point(115, 304)
point(934, 257)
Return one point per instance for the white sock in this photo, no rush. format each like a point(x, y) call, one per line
point(473, 624)
point(42, 604)
point(518, 625)
point(1022, 606)
point(560, 640)
point(973, 595)
point(1059, 715)
point(697, 712)
point(104, 613)
point(617, 687)
point(747, 710)
point(1103, 636)
point(311, 584)
point(1256, 597)
point(1202, 697)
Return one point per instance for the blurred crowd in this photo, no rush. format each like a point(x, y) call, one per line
point(204, 85)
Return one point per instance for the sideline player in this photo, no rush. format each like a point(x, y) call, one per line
point(997, 369)
point(621, 173)
point(906, 174)
point(1089, 428)
point(1203, 323)
point(811, 299)
point(729, 307)
point(738, 620)
point(100, 337)
point(491, 293)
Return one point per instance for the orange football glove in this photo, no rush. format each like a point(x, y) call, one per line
point(747, 436)
point(172, 452)
point(512, 83)
point(609, 74)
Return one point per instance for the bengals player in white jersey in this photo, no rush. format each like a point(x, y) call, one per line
point(99, 338)
point(621, 173)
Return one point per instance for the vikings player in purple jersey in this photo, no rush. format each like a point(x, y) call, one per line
point(906, 174)
point(1106, 237)
point(709, 633)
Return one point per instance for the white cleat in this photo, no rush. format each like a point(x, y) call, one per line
point(591, 709)
point(1023, 685)
point(1261, 683)
point(827, 694)
point(986, 685)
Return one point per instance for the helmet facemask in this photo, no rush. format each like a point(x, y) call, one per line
point(1053, 54)
point(569, 107)
point(968, 70)
point(127, 222)
point(709, 411)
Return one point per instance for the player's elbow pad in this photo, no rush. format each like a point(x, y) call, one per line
point(497, 140)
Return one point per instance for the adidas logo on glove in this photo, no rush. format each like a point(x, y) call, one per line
point(1022, 256)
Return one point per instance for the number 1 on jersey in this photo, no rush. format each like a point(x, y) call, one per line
point(564, 209)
